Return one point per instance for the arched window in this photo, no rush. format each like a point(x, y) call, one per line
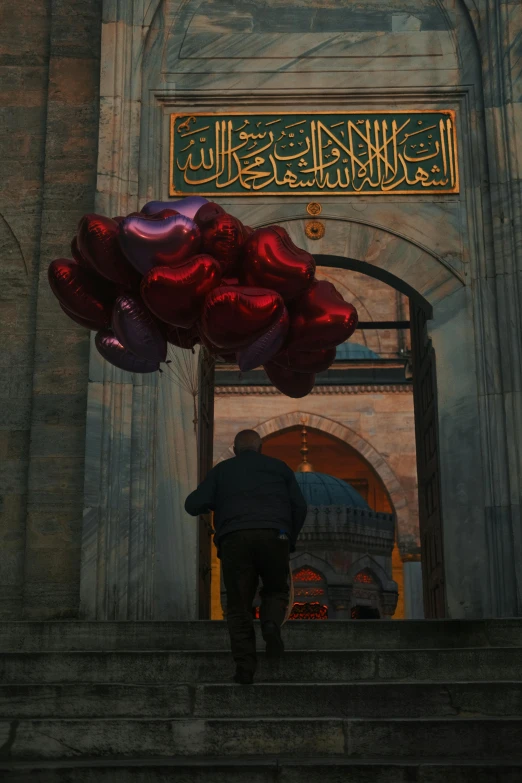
point(309, 596)
point(365, 577)
point(306, 574)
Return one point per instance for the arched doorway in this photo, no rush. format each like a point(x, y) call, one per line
point(365, 549)
point(422, 357)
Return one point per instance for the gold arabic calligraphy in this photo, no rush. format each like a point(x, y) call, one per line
point(393, 152)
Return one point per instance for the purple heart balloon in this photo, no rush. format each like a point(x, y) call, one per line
point(265, 347)
point(113, 351)
point(149, 243)
point(185, 206)
point(137, 330)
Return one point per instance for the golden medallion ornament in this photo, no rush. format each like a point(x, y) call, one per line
point(314, 229)
point(314, 209)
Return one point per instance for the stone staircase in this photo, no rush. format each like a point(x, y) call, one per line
point(386, 702)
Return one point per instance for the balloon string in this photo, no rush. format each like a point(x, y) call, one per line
point(195, 419)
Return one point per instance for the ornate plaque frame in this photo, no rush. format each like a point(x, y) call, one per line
point(343, 153)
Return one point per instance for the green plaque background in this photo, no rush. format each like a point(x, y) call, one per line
point(313, 154)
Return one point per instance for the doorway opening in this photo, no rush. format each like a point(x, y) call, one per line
point(389, 360)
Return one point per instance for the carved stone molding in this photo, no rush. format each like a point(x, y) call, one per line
point(240, 391)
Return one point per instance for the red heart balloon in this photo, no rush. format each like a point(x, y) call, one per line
point(223, 239)
point(98, 244)
point(305, 361)
point(75, 252)
point(234, 316)
point(273, 261)
point(167, 242)
point(207, 213)
point(92, 325)
point(81, 291)
point(184, 338)
point(176, 294)
point(320, 319)
point(292, 384)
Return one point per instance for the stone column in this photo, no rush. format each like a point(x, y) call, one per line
point(60, 368)
point(498, 311)
point(413, 600)
point(139, 547)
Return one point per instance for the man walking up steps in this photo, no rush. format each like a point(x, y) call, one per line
point(259, 511)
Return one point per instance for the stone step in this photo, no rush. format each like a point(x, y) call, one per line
point(265, 770)
point(29, 636)
point(153, 667)
point(455, 738)
point(277, 700)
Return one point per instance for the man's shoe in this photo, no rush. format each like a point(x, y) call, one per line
point(272, 636)
point(243, 676)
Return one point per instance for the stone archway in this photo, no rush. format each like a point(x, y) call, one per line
point(138, 433)
point(363, 447)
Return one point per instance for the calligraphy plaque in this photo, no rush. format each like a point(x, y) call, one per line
point(313, 154)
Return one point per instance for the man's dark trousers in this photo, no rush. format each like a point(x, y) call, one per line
point(247, 555)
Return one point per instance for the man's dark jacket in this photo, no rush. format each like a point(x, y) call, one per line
point(250, 491)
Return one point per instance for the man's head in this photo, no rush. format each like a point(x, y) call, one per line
point(247, 440)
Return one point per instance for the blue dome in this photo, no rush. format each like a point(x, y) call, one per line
point(355, 351)
point(319, 489)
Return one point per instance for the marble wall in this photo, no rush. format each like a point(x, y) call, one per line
point(49, 118)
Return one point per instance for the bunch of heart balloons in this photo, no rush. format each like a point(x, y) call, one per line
point(188, 273)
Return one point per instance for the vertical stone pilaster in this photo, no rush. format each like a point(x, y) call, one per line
point(139, 547)
point(60, 364)
point(498, 286)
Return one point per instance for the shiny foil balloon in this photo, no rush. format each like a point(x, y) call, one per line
point(94, 326)
point(176, 294)
point(137, 330)
point(98, 244)
point(321, 319)
point(77, 256)
point(305, 361)
point(81, 291)
point(168, 242)
point(234, 316)
point(113, 352)
point(183, 338)
point(292, 384)
point(265, 347)
point(218, 354)
point(207, 213)
point(161, 215)
point(271, 260)
point(185, 206)
point(223, 238)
